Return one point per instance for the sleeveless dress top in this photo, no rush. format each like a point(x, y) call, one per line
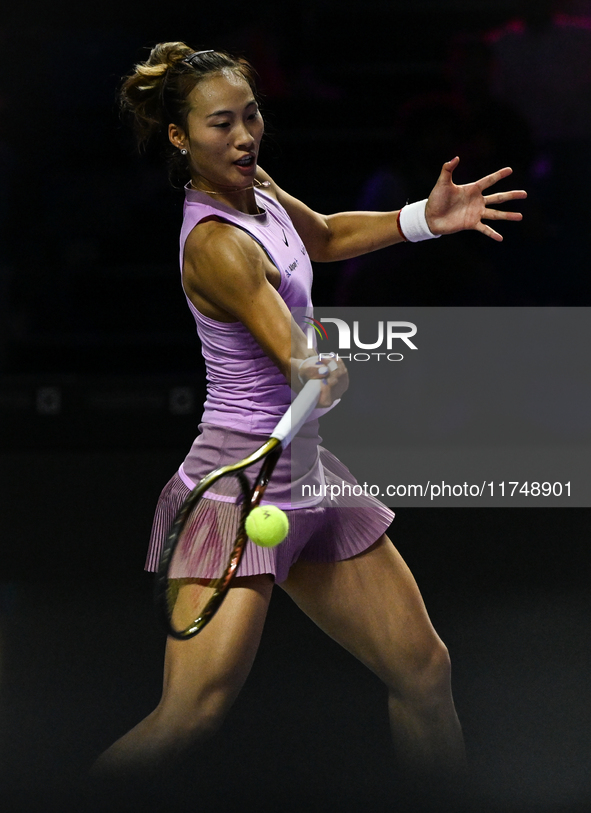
point(245, 390)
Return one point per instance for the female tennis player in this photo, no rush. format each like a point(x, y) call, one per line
point(246, 247)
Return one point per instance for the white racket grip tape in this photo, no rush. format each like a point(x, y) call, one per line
point(296, 416)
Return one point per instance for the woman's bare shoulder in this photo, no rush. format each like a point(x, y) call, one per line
point(214, 238)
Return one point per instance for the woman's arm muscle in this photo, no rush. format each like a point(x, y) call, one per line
point(329, 238)
point(449, 209)
point(226, 269)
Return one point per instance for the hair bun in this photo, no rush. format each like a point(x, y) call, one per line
point(168, 54)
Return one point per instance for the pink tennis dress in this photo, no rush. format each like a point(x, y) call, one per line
point(246, 397)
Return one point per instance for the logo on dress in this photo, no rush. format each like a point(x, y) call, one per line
point(284, 237)
point(290, 268)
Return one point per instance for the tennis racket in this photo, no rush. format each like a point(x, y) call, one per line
point(210, 542)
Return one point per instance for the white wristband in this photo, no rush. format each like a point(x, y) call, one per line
point(413, 222)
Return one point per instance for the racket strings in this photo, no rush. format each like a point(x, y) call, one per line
point(206, 541)
point(202, 551)
point(201, 559)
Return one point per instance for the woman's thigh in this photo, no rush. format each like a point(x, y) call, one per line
point(371, 605)
point(214, 664)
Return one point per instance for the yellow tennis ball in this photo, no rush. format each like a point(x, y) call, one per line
point(267, 525)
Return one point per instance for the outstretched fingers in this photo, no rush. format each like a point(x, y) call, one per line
point(454, 208)
point(498, 197)
point(497, 214)
point(447, 170)
point(503, 197)
point(449, 166)
point(493, 178)
point(488, 232)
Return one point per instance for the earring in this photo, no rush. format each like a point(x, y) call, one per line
point(183, 151)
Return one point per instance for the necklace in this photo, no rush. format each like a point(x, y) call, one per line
point(255, 185)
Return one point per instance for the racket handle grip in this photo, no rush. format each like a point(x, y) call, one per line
point(296, 416)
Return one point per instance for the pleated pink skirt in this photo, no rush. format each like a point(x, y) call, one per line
point(334, 529)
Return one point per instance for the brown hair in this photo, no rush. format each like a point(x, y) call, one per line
point(155, 94)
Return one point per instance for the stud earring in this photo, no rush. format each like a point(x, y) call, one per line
point(183, 151)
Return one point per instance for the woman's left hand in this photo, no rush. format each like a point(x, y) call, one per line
point(452, 208)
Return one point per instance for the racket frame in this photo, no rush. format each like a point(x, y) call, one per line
point(269, 453)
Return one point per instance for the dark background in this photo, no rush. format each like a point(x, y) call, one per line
point(101, 387)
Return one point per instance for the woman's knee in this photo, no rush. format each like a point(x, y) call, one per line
point(198, 717)
point(425, 677)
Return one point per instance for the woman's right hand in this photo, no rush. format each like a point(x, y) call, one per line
point(328, 367)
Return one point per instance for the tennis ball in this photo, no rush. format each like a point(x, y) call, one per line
point(267, 525)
